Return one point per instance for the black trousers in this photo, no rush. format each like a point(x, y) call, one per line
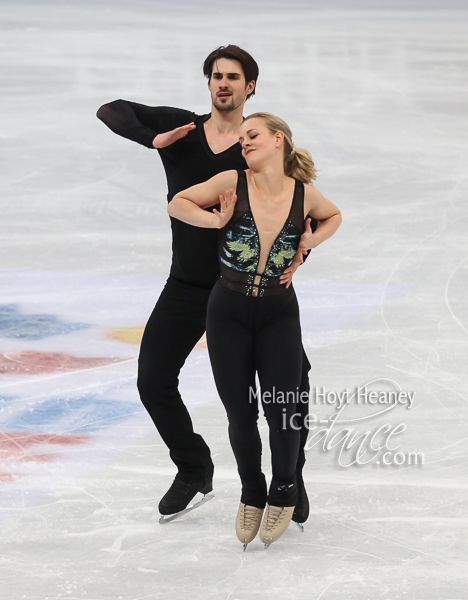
point(250, 335)
point(176, 324)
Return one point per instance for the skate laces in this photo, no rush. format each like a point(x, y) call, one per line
point(273, 516)
point(249, 516)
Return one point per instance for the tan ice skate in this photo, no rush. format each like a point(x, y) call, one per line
point(248, 523)
point(275, 522)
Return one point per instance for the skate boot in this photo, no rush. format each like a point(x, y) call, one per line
point(180, 494)
point(275, 522)
point(248, 523)
point(301, 510)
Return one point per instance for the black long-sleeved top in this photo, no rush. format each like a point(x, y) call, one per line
point(187, 162)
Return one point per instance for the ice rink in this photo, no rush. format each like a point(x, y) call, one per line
point(378, 92)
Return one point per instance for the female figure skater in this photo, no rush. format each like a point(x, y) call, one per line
point(253, 320)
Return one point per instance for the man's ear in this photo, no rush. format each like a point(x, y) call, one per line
point(250, 87)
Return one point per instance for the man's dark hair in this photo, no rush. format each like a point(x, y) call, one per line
point(249, 66)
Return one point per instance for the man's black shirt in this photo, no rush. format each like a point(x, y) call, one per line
point(187, 162)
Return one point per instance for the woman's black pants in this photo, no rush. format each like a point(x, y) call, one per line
point(176, 324)
point(250, 335)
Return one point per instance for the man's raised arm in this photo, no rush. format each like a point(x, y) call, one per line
point(150, 126)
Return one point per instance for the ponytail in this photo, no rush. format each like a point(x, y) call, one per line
point(298, 164)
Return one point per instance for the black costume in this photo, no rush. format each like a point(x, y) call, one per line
point(178, 319)
point(255, 329)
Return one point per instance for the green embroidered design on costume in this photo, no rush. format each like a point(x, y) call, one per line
point(241, 249)
point(279, 258)
point(283, 250)
point(246, 252)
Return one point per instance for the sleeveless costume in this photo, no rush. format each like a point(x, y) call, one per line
point(253, 327)
point(239, 245)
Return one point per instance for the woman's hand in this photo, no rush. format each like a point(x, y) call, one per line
point(227, 202)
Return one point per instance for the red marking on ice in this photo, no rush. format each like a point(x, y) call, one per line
point(32, 362)
point(17, 446)
point(9, 477)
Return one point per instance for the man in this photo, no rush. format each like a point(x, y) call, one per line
point(193, 148)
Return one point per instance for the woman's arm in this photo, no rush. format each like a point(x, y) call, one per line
point(188, 206)
point(327, 215)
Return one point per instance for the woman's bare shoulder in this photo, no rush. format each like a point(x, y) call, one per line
point(312, 195)
point(311, 190)
point(228, 178)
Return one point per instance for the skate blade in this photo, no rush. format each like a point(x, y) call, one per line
point(301, 527)
point(244, 546)
point(266, 546)
point(168, 518)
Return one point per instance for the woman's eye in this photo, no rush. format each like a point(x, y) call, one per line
point(252, 137)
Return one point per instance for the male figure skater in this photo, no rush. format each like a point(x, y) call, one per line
point(192, 148)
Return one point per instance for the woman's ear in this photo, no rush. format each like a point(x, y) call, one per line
point(279, 138)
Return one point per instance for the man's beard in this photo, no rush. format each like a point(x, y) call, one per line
point(225, 107)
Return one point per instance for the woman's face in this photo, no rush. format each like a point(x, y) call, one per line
point(258, 143)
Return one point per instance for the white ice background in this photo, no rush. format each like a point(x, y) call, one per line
point(378, 92)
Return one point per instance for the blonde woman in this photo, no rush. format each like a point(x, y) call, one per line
point(253, 320)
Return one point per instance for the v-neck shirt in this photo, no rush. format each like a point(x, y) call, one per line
point(187, 162)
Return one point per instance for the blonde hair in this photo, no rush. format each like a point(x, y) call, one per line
point(298, 162)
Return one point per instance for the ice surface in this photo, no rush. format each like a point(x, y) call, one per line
point(379, 96)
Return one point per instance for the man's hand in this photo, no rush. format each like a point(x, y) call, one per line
point(287, 275)
point(306, 242)
point(166, 139)
point(227, 202)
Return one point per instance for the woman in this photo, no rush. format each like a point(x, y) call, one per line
point(252, 319)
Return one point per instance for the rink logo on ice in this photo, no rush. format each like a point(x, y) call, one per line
point(16, 325)
point(341, 432)
point(87, 414)
point(29, 430)
point(34, 362)
point(18, 447)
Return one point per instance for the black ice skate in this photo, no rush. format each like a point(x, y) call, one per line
point(176, 501)
point(301, 511)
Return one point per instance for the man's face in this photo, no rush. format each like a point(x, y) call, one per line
point(227, 85)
